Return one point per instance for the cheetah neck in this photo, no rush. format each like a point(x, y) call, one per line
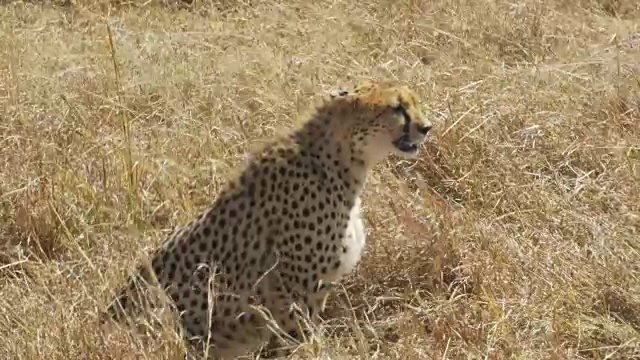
point(329, 143)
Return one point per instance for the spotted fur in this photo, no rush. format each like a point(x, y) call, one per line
point(286, 228)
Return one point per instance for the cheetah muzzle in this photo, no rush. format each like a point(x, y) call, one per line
point(405, 143)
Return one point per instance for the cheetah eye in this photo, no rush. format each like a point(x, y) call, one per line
point(339, 93)
point(401, 110)
point(398, 108)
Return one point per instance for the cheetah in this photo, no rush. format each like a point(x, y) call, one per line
point(284, 230)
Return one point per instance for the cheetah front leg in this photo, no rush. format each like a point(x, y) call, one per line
point(351, 250)
point(295, 322)
point(316, 301)
point(286, 316)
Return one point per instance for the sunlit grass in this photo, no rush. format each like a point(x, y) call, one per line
point(515, 235)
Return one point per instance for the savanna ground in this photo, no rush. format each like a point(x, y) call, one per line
point(515, 235)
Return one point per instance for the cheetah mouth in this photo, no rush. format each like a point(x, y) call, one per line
point(405, 145)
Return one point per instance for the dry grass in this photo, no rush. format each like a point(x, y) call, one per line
point(516, 235)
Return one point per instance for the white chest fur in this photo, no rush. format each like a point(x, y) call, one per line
point(353, 242)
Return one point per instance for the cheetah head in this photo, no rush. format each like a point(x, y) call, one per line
point(385, 120)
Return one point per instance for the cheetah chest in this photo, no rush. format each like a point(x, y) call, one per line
point(353, 242)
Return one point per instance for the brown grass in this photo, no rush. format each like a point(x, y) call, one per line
point(516, 235)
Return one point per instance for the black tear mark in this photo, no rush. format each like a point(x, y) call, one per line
point(407, 119)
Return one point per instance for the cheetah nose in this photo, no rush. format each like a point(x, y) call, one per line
point(424, 129)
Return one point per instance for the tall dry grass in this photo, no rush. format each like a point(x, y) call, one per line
point(514, 236)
